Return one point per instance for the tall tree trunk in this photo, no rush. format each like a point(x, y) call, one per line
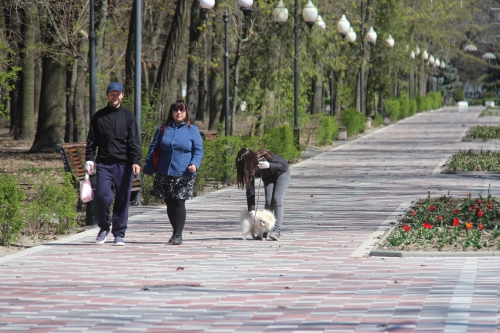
point(421, 79)
point(215, 91)
point(338, 94)
point(193, 60)
point(130, 54)
point(27, 129)
point(236, 76)
point(70, 121)
point(317, 97)
point(202, 85)
point(170, 53)
point(81, 110)
point(51, 117)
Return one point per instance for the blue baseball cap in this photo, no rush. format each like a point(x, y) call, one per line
point(115, 86)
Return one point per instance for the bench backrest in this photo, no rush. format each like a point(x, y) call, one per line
point(73, 155)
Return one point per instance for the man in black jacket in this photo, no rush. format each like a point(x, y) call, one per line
point(113, 133)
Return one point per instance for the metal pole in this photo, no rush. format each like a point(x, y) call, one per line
point(409, 84)
point(332, 90)
point(296, 129)
point(137, 85)
point(92, 61)
point(226, 74)
point(361, 51)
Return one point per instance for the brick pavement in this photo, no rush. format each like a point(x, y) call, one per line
point(318, 278)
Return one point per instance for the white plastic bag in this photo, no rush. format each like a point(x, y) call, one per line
point(86, 193)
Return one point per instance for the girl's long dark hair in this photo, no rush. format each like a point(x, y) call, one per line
point(178, 104)
point(246, 165)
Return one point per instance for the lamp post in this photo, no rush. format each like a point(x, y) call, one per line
point(246, 8)
point(309, 14)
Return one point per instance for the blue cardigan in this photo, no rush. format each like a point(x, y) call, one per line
point(180, 147)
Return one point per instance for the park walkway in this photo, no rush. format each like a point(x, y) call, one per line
point(318, 278)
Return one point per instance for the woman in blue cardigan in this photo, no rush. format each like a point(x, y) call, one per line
point(181, 151)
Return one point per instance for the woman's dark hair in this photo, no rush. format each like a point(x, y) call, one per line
point(178, 104)
point(246, 165)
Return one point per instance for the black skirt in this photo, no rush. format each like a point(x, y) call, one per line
point(169, 187)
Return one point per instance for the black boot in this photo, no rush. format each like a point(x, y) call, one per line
point(172, 238)
point(177, 239)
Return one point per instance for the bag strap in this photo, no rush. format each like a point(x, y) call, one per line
point(160, 137)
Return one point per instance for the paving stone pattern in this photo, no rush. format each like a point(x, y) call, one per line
point(317, 278)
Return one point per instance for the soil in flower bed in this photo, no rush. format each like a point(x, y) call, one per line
point(449, 225)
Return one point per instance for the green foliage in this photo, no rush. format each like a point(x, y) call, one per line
point(474, 161)
point(11, 199)
point(280, 140)
point(459, 95)
point(489, 96)
point(484, 132)
point(54, 206)
point(8, 75)
point(353, 120)
point(413, 106)
point(377, 121)
point(327, 130)
point(218, 164)
point(422, 104)
point(392, 109)
point(404, 107)
point(435, 99)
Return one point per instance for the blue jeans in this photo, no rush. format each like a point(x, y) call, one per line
point(275, 193)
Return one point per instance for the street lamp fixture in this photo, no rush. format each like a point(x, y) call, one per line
point(425, 55)
point(309, 14)
point(371, 36)
point(344, 26)
point(280, 13)
point(320, 22)
point(351, 36)
point(390, 41)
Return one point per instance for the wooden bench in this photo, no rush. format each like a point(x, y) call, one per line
point(209, 135)
point(73, 155)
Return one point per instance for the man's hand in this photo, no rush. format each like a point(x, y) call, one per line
point(136, 168)
point(192, 168)
point(89, 167)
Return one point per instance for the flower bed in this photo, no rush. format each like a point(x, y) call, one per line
point(483, 132)
point(474, 161)
point(448, 224)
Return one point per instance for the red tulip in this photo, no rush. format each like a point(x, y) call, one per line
point(406, 228)
point(480, 214)
point(432, 208)
point(489, 207)
point(440, 218)
point(488, 202)
point(473, 207)
point(413, 213)
point(481, 226)
point(457, 211)
point(479, 202)
point(456, 222)
point(427, 225)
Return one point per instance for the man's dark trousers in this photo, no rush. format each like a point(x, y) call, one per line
point(121, 176)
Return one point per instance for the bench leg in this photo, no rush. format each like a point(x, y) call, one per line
point(135, 198)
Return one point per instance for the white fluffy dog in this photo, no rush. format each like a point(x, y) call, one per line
point(264, 223)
